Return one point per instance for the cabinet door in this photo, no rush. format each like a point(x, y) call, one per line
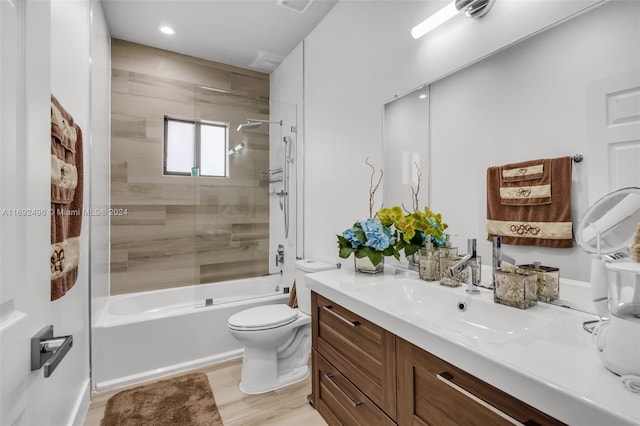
point(363, 352)
point(339, 402)
point(434, 392)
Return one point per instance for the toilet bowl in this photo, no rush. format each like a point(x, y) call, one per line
point(276, 338)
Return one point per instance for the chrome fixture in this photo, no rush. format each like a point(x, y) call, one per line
point(288, 160)
point(471, 8)
point(236, 149)
point(280, 255)
point(498, 257)
point(468, 261)
point(254, 123)
point(47, 351)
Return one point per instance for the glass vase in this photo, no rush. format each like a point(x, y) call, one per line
point(363, 264)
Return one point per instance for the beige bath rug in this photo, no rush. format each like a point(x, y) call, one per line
point(184, 400)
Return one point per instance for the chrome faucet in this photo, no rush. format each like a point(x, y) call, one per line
point(498, 257)
point(468, 261)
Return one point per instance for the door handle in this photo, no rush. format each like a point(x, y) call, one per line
point(47, 351)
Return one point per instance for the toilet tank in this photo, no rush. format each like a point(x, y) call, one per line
point(303, 294)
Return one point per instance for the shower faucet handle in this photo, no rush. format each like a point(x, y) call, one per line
point(280, 255)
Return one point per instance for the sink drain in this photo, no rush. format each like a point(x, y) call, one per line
point(462, 306)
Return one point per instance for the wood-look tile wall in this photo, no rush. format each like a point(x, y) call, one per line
point(184, 230)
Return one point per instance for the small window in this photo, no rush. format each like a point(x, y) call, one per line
point(195, 144)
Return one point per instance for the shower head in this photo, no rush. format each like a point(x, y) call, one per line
point(253, 124)
point(248, 126)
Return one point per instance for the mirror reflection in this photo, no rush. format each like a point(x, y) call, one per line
point(406, 149)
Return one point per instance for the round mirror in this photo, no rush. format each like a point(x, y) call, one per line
point(609, 225)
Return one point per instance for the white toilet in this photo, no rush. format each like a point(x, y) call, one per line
point(277, 338)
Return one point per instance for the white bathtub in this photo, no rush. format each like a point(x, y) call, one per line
point(144, 335)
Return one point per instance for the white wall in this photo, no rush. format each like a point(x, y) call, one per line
point(80, 64)
point(359, 56)
point(70, 85)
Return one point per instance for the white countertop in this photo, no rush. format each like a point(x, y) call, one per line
point(554, 367)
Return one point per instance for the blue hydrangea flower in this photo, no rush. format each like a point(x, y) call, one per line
point(378, 238)
point(349, 235)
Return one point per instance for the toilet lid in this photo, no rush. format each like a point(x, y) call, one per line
point(261, 317)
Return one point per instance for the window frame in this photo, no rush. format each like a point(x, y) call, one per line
point(196, 146)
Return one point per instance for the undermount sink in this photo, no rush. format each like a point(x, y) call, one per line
point(451, 310)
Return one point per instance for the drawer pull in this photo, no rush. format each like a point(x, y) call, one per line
point(329, 377)
point(447, 378)
point(329, 309)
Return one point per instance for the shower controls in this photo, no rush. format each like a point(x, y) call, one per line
point(280, 255)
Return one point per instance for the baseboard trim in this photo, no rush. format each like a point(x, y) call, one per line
point(81, 407)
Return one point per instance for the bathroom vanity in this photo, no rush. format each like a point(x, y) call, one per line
point(392, 349)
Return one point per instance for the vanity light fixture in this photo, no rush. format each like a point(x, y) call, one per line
point(471, 8)
point(165, 29)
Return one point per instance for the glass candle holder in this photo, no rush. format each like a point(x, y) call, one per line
point(445, 278)
point(429, 265)
point(548, 281)
point(461, 277)
point(516, 289)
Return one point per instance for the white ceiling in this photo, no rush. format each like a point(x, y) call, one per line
point(251, 34)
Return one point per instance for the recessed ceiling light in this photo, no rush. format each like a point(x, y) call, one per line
point(167, 30)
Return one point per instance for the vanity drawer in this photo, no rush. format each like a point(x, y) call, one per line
point(363, 352)
point(434, 392)
point(339, 401)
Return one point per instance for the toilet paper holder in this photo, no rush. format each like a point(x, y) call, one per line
point(47, 351)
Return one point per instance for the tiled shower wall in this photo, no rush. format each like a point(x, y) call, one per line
point(169, 231)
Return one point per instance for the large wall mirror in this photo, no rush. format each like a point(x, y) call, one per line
point(539, 98)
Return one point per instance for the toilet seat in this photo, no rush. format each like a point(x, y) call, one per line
point(263, 318)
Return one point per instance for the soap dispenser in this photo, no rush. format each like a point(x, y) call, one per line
point(429, 262)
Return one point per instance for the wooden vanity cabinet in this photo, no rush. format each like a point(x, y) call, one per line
point(365, 375)
point(434, 392)
point(359, 353)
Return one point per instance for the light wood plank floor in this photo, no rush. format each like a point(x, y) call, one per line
point(283, 407)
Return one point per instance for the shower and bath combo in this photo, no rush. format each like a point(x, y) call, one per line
point(253, 124)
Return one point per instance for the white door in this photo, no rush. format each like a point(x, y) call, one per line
point(24, 219)
point(613, 114)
